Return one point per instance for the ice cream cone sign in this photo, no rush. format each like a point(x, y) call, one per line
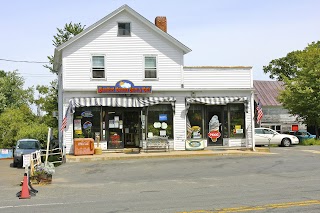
point(214, 124)
point(214, 135)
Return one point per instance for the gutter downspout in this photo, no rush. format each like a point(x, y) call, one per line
point(252, 122)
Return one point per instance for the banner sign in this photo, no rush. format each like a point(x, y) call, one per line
point(124, 87)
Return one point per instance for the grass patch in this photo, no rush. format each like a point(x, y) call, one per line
point(311, 142)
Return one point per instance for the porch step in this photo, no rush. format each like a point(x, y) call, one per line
point(131, 150)
point(125, 150)
point(221, 148)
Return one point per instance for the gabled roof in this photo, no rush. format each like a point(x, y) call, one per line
point(267, 92)
point(136, 15)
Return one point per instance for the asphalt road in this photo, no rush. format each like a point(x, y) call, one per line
point(286, 181)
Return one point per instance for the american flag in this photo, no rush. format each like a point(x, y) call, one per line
point(65, 119)
point(259, 112)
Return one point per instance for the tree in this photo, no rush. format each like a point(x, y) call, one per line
point(12, 93)
point(284, 67)
point(12, 120)
point(48, 100)
point(70, 30)
point(301, 95)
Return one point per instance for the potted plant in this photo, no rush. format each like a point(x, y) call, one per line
point(43, 172)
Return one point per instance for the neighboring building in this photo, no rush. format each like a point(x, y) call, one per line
point(123, 79)
point(274, 115)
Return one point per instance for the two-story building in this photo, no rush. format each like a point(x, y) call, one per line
point(274, 115)
point(123, 79)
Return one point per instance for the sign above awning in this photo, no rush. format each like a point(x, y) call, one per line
point(124, 87)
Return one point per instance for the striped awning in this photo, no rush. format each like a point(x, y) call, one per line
point(217, 101)
point(121, 101)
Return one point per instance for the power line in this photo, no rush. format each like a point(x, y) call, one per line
point(32, 62)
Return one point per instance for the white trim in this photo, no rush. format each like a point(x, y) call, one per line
point(91, 66)
point(137, 16)
point(122, 22)
point(144, 67)
point(166, 90)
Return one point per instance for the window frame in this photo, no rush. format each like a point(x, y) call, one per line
point(150, 110)
point(156, 68)
point(124, 30)
point(91, 67)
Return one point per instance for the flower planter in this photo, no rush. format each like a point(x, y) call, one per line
point(42, 179)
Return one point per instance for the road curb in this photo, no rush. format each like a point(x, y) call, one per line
point(105, 157)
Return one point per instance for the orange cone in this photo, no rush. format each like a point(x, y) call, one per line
point(25, 193)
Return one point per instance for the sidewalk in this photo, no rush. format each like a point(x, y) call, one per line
point(172, 154)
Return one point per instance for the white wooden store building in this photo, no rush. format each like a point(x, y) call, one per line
point(123, 79)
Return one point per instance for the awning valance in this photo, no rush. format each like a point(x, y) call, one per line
point(217, 100)
point(121, 101)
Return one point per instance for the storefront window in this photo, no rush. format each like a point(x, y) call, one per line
point(86, 123)
point(160, 120)
point(195, 115)
point(237, 125)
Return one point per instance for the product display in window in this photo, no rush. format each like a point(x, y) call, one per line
point(196, 132)
point(214, 125)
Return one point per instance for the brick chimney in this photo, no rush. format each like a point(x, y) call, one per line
point(161, 22)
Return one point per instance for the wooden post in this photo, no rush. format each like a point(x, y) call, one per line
point(48, 142)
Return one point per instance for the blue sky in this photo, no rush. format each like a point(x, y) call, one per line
point(219, 32)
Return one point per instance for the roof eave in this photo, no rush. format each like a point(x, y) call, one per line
point(136, 15)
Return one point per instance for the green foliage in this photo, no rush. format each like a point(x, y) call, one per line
point(300, 71)
point(12, 93)
point(37, 131)
point(48, 95)
point(302, 93)
point(66, 33)
point(310, 142)
point(285, 66)
point(47, 101)
point(12, 120)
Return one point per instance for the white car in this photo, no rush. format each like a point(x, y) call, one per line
point(266, 136)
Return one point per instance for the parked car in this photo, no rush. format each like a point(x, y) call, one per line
point(302, 135)
point(266, 136)
point(24, 146)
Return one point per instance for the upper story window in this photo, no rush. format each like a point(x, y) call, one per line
point(98, 68)
point(150, 67)
point(124, 29)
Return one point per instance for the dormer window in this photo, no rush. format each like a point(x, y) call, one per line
point(124, 29)
point(98, 68)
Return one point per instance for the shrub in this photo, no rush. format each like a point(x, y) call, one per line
point(310, 142)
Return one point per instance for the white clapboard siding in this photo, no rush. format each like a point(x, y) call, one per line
point(179, 124)
point(217, 77)
point(68, 131)
point(124, 57)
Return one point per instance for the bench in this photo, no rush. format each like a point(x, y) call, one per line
point(157, 144)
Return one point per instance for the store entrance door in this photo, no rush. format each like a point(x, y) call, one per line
point(131, 128)
point(216, 112)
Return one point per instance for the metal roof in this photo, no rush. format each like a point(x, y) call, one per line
point(267, 92)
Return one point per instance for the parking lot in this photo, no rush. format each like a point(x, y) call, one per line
point(289, 175)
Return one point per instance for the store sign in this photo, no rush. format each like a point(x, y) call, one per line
point(87, 125)
point(194, 143)
point(214, 134)
point(87, 114)
point(124, 87)
point(163, 117)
